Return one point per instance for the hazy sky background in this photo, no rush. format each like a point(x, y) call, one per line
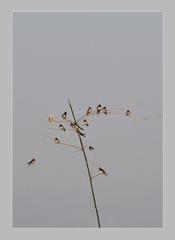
point(91, 58)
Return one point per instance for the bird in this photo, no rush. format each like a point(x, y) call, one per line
point(64, 115)
point(51, 119)
point(61, 127)
point(56, 140)
point(76, 126)
point(104, 110)
point(89, 111)
point(91, 148)
point(102, 171)
point(80, 133)
point(99, 108)
point(128, 113)
point(77, 129)
point(85, 122)
point(32, 162)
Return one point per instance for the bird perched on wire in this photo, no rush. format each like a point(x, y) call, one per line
point(56, 140)
point(33, 161)
point(51, 119)
point(102, 171)
point(99, 108)
point(104, 110)
point(89, 111)
point(61, 127)
point(85, 122)
point(64, 115)
point(91, 148)
point(128, 113)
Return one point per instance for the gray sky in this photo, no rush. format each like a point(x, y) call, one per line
point(91, 58)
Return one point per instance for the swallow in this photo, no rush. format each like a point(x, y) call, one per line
point(76, 126)
point(64, 115)
point(61, 127)
point(51, 119)
point(89, 111)
point(85, 122)
point(128, 113)
point(80, 133)
point(104, 110)
point(99, 108)
point(91, 148)
point(102, 171)
point(56, 140)
point(32, 162)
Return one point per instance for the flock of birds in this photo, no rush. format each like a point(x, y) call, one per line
point(77, 127)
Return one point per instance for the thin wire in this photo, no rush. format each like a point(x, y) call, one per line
point(96, 175)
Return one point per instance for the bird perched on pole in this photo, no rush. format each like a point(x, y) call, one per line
point(76, 126)
point(77, 129)
point(80, 133)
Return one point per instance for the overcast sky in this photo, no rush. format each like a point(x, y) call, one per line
point(110, 58)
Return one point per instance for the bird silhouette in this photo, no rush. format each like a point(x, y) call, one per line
point(32, 162)
point(76, 126)
point(128, 113)
point(61, 127)
point(91, 148)
point(102, 171)
point(104, 110)
point(89, 110)
point(64, 115)
point(56, 140)
point(80, 133)
point(99, 108)
point(85, 122)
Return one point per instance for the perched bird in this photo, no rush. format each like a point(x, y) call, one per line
point(56, 140)
point(128, 113)
point(77, 129)
point(89, 111)
point(61, 127)
point(64, 115)
point(76, 126)
point(99, 108)
point(104, 110)
point(85, 122)
point(102, 171)
point(51, 119)
point(80, 133)
point(91, 148)
point(32, 162)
